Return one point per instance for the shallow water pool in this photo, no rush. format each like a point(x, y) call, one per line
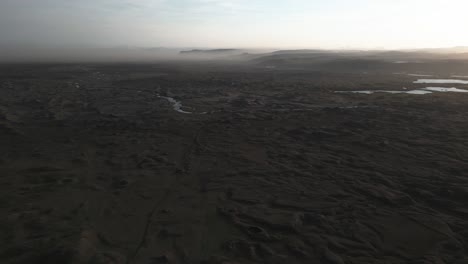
point(448, 81)
point(387, 91)
point(445, 89)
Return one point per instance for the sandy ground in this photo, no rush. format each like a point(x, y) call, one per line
point(96, 168)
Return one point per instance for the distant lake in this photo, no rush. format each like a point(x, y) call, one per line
point(426, 90)
point(444, 89)
point(448, 81)
point(387, 91)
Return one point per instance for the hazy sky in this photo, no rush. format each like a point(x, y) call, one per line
point(236, 23)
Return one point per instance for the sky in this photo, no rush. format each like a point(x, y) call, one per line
point(329, 24)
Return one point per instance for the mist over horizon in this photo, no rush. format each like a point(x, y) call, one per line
point(68, 54)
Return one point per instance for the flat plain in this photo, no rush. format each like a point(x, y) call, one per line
point(232, 162)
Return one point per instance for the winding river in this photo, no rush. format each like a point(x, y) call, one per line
point(177, 105)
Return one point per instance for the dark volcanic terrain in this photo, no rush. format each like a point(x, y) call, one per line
point(259, 163)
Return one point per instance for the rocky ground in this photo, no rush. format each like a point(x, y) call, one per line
point(272, 166)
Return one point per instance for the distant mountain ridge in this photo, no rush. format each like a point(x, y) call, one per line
point(454, 50)
point(212, 52)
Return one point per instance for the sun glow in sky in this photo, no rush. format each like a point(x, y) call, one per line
point(366, 24)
